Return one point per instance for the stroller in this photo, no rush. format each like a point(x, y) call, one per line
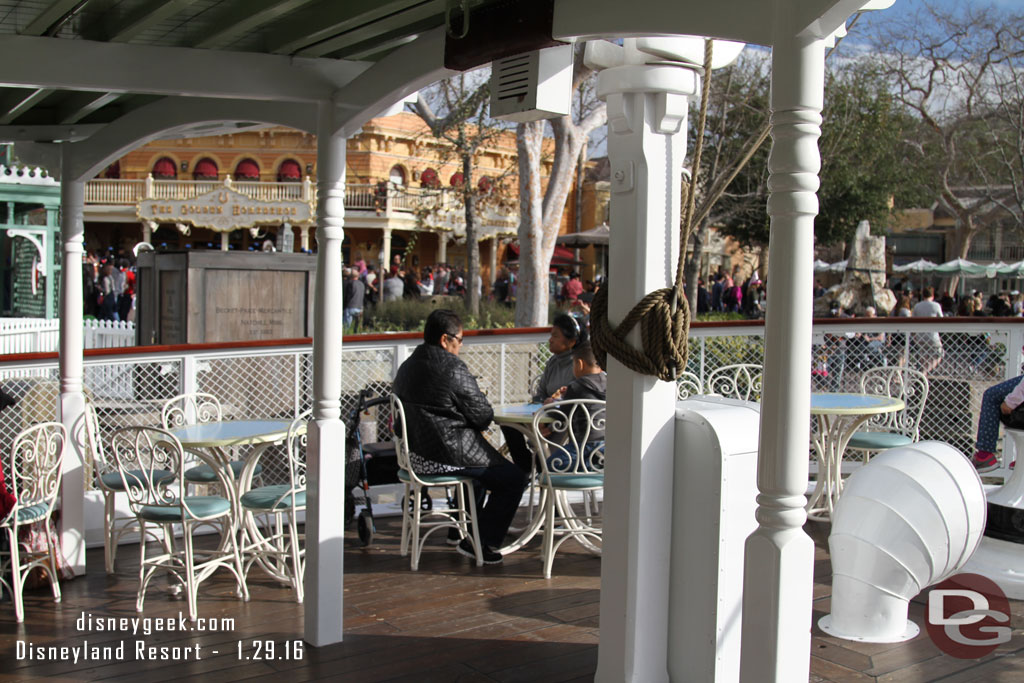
point(372, 462)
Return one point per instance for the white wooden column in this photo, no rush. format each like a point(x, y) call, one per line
point(493, 262)
point(72, 400)
point(778, 574)
point(442, 246)
point(647, 108)
point(385, 252)
point(325, 514)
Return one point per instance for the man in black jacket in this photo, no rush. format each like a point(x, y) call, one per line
point(446, 414)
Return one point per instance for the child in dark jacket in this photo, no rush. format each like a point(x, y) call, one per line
point(591, 383)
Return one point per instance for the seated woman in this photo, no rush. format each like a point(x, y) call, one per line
point(591, 382)
point(566, 333)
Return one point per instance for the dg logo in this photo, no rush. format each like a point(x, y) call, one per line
point(968, 616)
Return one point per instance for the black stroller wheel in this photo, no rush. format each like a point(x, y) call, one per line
point(365, 524)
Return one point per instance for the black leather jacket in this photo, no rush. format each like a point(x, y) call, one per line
point(445, 409)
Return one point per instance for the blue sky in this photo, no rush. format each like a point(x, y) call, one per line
point(908, 7)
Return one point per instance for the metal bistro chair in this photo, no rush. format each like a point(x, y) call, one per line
point(890, 430)
point(143, 456)
point(687, 385)
point(463, 517)
point(108, 480)
point(33, 475)
point(277, 546)
point(197, 408)
point(742, 381)
point(572, 460)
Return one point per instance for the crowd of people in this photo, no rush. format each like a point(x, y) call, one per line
point(108, 285)
point(731, 294)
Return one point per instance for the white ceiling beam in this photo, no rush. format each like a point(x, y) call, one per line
point(48, 17)
point(80, 110)
point(22, 102)
point(145, 16)
point(238, 19)
point(125, 68)
point(388, 28)
point(47, 133)
point(340, 17)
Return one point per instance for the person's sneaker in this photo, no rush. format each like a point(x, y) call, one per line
point(490, 557)
point(984, 461)
point(454, 536)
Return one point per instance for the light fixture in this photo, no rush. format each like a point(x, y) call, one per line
point(184, 166)
point(309, 169)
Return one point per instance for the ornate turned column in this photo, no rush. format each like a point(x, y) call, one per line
point(778, 574)
point(325, 514)
point(72, 398)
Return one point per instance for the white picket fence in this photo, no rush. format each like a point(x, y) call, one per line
point(31, 335)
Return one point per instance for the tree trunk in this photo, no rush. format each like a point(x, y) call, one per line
point(691, 271)
point(472, 243)
point(532, 288)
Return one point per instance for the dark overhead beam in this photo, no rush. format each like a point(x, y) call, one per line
point(123, 28)
point(20, 102)
point(327, 19)
point(82, 104)
point(52, 17)
point(241, 17)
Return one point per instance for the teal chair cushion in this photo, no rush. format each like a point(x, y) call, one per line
point(204, 474)
point(431, 479)
point(200, 506)
point(878, 441)
point(577, 481)
point(112, 480)
point(33, 513)
point(265, 497)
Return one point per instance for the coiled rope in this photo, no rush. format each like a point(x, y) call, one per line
point(664, 314)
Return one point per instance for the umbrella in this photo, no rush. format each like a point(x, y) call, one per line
point(993, 269)
point(820, 266)
point(961, 267)
point(839, 267)
point(577, 240)
point(918, 266)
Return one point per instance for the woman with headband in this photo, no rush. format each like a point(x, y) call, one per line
point(566, 334)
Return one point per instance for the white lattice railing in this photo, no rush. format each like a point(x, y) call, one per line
point(39, 335)
point(255, 381)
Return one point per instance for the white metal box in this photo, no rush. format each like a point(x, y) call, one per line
point(533, 85)
point(713, 502)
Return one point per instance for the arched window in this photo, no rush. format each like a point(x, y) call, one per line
point(247, 169)
point(206, 169)
point(113, 171)
point(165, 169)
point(455, 180)
point(397, 176)
point(289, 171)
point(429, 178)
point(485, 184)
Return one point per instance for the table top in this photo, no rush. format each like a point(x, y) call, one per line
point(231, 433)
point(854, 404)
point(516, 412)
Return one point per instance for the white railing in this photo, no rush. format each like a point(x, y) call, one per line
point(108, 191)
point(39, 335)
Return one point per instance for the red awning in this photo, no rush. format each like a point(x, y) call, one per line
point(561, 257)
point(164, 168)
point(205, 169)
point(247, 169)
point(289, 170)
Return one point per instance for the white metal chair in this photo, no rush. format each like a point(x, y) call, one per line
point(277, 545)
point(108, 480)
point(197, 408)
point(742, 381)
point(462, 518)
point(571, 436)
point(33, 475)
point(891, 430)
point(151, 463)
point(687, 385)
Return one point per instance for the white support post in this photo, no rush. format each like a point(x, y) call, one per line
point(647, 108)
point(442, 246)
point(385, 252)
point(72, 371)
point(325, 514)
point(493, 263)
point(147, 231)
point(304, 238)
point(224, 237)
point(779, 567)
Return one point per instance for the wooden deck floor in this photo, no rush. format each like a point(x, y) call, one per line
point(447, 622)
